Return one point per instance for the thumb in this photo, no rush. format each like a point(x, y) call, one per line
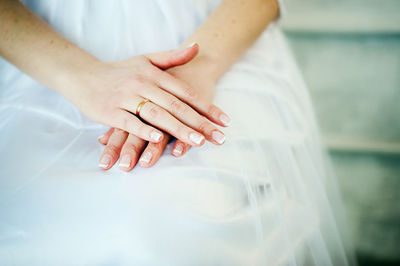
point(173, 58)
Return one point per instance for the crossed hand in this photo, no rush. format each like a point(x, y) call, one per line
point(147, 100)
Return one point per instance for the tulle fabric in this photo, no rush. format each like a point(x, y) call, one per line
point(265, 197)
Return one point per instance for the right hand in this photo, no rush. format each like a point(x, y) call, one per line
point(110, 93)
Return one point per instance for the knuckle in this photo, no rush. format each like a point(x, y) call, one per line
point(180, 130)
point(137, 79)
point(154, 112)
point(176, 106)
point(143, 131)
point(113, 149)
point(212, 110)
point(190, 92)
point(204, 126)
point(130, 147)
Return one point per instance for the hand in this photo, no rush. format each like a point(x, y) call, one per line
point(128, 147)
point(110, 93)
point(194, 73)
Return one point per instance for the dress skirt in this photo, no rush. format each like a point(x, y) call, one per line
point(266, 197)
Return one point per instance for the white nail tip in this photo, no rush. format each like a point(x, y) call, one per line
point(124, 165)
point(218, 137)
point(105, 161)
point(125, 161)
point(191, 45)
point(146, 157)
point(99, 137)
point(196, 138)
point(102, 165)
point(225, 119)
point(178, 149)
point(155, 136)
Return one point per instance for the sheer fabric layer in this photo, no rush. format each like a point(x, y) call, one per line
point(263, 198)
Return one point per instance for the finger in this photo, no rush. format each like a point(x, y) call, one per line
point(153, 151)
point(103, 139)
point(130, 152)
point(111, 152)
point(184, 113)
point(159, 117)
point(180, 148)
point(185, 93)
point(173, 58)
point(131, 123)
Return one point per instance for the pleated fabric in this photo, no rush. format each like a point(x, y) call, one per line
point(266, 197)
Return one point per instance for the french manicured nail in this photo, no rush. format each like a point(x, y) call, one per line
point(196, 138)
point(125, 161)
point(154, 135)
point(225, 119)
point(105, 161)
point(99, 138)
point(146, 157)
point(178, 149)
point(219, 137)
point(191, 45)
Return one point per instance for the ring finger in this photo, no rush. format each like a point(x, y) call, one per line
point(157, 116)
point(185, 114)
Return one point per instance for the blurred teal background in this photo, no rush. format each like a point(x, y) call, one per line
point(349, 53)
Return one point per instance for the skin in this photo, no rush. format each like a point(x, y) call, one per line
point(221, 47)
point(109, 92)
point(181, 98)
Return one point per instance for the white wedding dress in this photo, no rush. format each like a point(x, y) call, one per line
point(265, 197)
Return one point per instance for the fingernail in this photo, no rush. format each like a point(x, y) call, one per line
point(218, 137)
point(105, 161)
point(178, 149)
point(191, 45)
point(154, 135)
point(100, 137)
point(146, 157)
point(225, 119)
point(196, 138)
point(125, 161)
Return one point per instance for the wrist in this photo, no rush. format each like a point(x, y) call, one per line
point(199, 75)
point(208, 63)
point(72, 74)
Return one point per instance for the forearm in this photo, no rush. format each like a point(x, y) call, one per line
point(229, 31)
point(34, 47)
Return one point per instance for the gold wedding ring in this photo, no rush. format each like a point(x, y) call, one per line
point(140, 105)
